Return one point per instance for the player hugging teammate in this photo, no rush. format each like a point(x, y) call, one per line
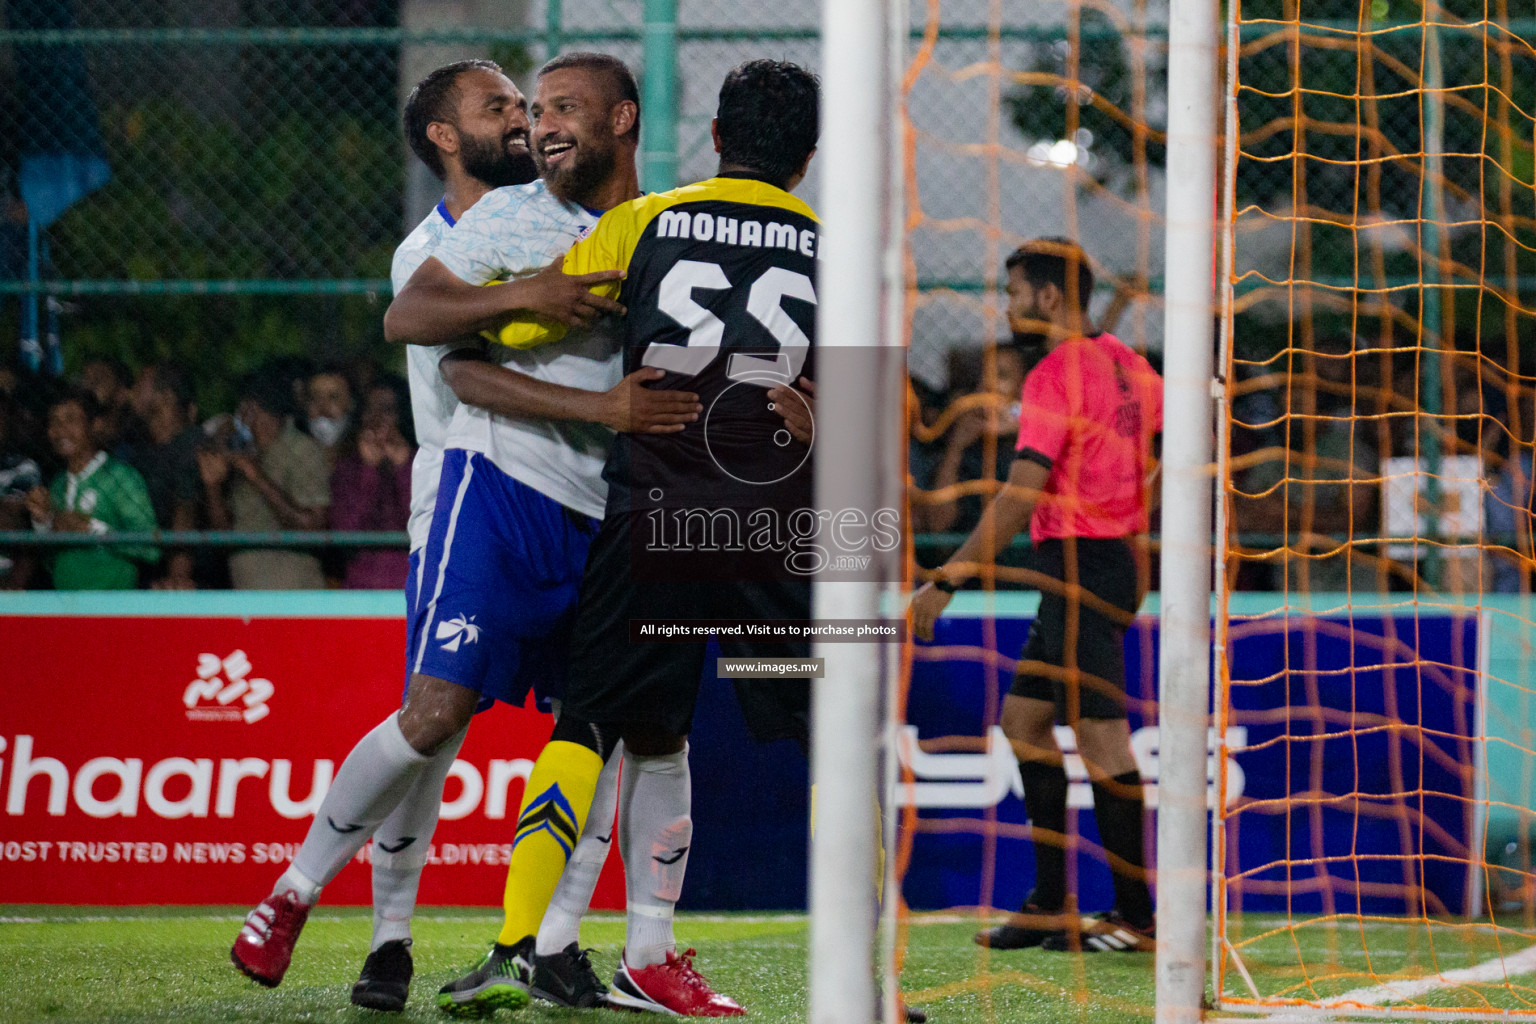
point(727, 317)
point(521, 431)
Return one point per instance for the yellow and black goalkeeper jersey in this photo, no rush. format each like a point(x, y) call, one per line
point(720, 292)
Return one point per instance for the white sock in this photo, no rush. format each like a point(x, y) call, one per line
point(400, 846)
point(292, 880)
point(573, 894)
point(655, 832)
point(371, 782)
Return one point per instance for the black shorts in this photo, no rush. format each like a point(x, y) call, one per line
point(613, 680)
point(1085, 678)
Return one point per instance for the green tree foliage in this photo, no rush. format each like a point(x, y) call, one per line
point(196, 198)
point(237, 159)
point(1331, 122)
point(1106, 74)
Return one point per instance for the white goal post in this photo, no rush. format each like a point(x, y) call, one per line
point(858, 433)
point(862, 43)
point(1184, 671)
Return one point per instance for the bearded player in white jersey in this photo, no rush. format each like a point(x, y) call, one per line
point(469, 124)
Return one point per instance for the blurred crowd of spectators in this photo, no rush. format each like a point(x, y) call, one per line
point(114, 450)
point(307, 448)
point(1332, 447)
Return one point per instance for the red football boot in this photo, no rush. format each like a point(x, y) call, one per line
point(265, 944)
point(673, 987)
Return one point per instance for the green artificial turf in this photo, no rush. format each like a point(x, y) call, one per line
point(172, 964)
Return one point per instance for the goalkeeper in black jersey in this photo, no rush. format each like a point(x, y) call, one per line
point(719, 288)
point(710, 522)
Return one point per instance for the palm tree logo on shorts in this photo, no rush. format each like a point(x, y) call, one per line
point(458, 630)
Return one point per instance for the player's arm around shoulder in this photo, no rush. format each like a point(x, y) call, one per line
point(598, 261)
point(553, 301)
point(443, 300)
point(629, 406)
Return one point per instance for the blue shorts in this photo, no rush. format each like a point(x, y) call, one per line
point(498, 581)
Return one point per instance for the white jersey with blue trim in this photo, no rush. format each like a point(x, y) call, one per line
point(514, 232)
point(432, 401)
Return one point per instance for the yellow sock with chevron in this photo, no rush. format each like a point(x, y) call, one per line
point(554, 811)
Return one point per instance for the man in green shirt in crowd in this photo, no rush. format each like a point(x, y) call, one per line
point(95, 494)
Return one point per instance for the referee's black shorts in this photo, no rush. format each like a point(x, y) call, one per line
point(1075, 654)
point(615, 681)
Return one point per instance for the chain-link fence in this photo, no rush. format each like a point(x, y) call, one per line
point(249, 155)
point(1383, 241)
point(230, 179)
point(224, 182)
point(1383, 139)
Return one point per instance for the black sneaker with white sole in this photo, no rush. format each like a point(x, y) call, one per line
point(386, 979)
point(1030, 927)
point(566, 978)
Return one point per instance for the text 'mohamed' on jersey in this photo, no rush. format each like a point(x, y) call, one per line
point(510, 233)
point(720, 291)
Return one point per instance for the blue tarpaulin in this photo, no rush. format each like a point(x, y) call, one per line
point(61, 155)
point(61, 158)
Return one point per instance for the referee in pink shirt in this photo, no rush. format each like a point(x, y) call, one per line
point(1090, 410)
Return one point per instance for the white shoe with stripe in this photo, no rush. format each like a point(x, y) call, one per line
point(1104, 933)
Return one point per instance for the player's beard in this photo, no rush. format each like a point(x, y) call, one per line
point(1030, 341)
point(582, 176)
point(490, 161)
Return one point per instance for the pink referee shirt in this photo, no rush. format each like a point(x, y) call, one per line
point(1090, 410)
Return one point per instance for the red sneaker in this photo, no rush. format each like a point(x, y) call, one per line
point(673, 987)
point(266, 940)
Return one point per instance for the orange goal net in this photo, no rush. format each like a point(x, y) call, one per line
point(1376, 489)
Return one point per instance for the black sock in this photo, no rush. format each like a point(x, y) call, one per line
point(1118, 808)
point(1045, 801)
